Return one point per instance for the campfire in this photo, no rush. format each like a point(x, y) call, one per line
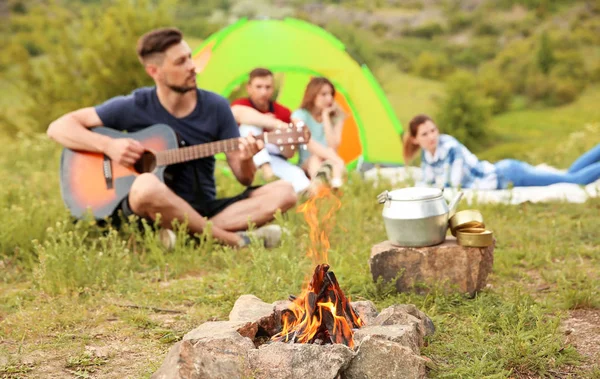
point(319, 333)
point(321, 314)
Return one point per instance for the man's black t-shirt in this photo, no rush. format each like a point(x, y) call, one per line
point(210, 121)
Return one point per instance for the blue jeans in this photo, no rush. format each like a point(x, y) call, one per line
point(585, 170)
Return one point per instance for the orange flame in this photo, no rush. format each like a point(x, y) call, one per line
point(322, 313)
point(320, 220)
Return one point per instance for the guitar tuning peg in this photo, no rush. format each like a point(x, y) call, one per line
point(280, 148)
point(304, 147)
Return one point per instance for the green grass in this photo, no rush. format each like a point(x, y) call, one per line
point(556, 136)
point(544, 135)
point(66, 287)
point(409, 95)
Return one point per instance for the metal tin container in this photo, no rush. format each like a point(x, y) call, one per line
point(416, 216)
point(478, 239)
point(470, 218)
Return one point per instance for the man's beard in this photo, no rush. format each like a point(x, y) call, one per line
point(181, 89)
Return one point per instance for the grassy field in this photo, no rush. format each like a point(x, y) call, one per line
point(548, 135)
point(79, 302)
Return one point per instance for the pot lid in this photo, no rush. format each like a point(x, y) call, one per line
point(415, 193)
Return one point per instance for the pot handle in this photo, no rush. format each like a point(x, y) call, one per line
point(454, 204)
point(383, 197)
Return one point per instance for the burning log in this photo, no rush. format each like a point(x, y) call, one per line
point(321, 314)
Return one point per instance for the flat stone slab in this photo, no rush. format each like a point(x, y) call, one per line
point(456, 268)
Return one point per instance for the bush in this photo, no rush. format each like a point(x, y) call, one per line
point(427, 30)
point(92, 60)
point(380, 28)
point(513, 64)
point(464, 110)
point(570, 66)
point(538, 87)
point(479, 50)
point(358, 44)
point(486, 28)
point(595, 73)
point(404, 51)
point(493, 85)
point(563, 92)
point(432, 66)
point(459, 20)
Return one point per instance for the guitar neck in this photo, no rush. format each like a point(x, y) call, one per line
point(190, 153)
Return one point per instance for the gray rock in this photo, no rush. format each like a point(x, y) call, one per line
point(295, 361)
point(223, 330)
point(453, 266)
point(387, 347)
point(406, 314)
point(366, 310)
point(379, 358)
point(405, 335)
point(251, 308)
point(224, 357)
point(281, 305)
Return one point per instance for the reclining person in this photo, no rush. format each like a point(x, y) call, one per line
point(258, 112)
point(448, 163)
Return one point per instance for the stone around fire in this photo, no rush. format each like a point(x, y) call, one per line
point(387, 347)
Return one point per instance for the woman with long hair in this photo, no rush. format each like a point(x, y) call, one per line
point(325, 120)
point(448, 163)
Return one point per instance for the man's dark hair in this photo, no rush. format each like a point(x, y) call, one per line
point(157, 41)
point(259, 73)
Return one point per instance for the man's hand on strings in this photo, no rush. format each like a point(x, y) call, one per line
point(125, 151)
point(249, 146)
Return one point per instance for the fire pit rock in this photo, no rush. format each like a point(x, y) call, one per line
point(283, 360)
point(457, 268)
point(250, 308)
point(388, 346)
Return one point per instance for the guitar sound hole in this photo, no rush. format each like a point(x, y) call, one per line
point(146, 163)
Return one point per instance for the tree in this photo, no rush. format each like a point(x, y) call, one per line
point(545, 55)
point(91, 59)
point(464, 110)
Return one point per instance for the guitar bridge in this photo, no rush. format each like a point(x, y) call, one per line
point(107, 169)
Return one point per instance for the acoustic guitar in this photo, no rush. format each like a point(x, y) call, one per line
point(92, 182)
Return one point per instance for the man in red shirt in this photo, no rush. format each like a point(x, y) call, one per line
point(258, 112)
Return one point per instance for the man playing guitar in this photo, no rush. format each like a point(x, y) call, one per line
point(198, 117)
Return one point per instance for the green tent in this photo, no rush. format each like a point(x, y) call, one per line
point(299, 50)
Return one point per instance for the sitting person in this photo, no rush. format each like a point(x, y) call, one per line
point(447, 163)
point(197, 116)
point(258, 112)
point(325, 120)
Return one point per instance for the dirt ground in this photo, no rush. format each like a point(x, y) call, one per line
point(582, 330)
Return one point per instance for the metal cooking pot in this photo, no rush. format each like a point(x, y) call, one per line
point(417, 216)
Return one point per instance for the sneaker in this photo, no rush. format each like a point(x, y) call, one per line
point(167, 238)
point(269, 234)
point(324, 172)
point(336, 183)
